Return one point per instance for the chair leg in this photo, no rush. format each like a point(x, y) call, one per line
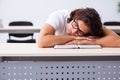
point(32, 37)
point(9, 37)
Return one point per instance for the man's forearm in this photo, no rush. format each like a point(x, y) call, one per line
point(109, 41)
point(51, 40)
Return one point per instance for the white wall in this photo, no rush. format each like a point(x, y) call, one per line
point(38, 10)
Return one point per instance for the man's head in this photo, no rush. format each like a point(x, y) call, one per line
point(85, 22)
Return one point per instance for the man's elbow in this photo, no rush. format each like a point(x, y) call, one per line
point(40, 45)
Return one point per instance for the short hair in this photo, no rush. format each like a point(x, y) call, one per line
point(91, 18)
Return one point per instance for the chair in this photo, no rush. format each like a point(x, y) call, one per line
point(20, 35)
point(112, 23)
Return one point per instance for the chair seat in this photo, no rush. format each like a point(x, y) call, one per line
point(21, 41)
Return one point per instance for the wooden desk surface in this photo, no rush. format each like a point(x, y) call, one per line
point(33, 29)
point(17, 29)
point(114, 28)
point(31, 49)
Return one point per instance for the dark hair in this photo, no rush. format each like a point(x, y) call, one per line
point(91, 18)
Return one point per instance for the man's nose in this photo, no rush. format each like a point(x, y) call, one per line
point(74, 31)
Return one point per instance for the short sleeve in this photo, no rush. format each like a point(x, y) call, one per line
point(57, 18)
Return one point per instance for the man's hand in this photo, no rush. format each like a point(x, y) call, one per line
point(83, 40)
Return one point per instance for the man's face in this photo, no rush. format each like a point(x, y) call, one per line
point(77, 28)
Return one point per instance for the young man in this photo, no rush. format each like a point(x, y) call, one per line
point(80, 26)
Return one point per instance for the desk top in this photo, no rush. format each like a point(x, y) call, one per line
point(114, 28)
point(31, 49)
point(17, 29)
point(32, 29)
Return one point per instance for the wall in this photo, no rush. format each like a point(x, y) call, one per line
point(38, 10)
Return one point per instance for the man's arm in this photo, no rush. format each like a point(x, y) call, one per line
point(111, 39)
point(47, 37)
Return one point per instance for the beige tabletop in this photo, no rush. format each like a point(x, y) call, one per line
point(34, 29)
point(21, 29)
point(31, 49)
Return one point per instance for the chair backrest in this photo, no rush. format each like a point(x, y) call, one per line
point(20, 24)
point(112, 23)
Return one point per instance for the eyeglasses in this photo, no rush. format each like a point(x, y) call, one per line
point(76, 26)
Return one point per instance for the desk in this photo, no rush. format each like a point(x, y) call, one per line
point(114, 28)
point(33, 63)
point(31, 49)
point(34, 29)
point(23, 29)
